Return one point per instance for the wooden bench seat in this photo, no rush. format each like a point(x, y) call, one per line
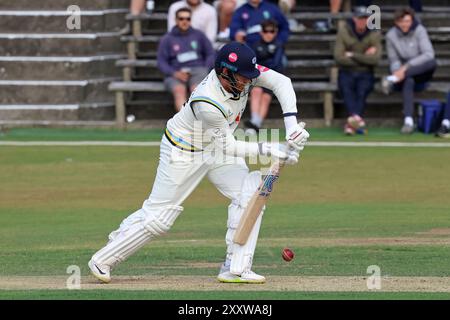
point(325, 88)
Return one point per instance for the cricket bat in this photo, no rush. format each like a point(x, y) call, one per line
point(256, 203)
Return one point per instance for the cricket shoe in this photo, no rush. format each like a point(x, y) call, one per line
point(246, 277)
point(102, 273)
point(407, 129)
point(443, 132)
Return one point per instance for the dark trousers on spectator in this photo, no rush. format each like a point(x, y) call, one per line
point(447, 108)
point(416, 80)
point(354, 88)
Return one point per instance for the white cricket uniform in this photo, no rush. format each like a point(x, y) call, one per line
point(185, 158)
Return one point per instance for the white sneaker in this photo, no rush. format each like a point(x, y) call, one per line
point(295, 26)
point(386, 85)
point(102, 273)
point(245, 277)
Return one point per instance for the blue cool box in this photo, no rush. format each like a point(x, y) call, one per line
point(430, 112)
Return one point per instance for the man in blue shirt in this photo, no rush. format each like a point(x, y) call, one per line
point(246, 22)
point(185, 56)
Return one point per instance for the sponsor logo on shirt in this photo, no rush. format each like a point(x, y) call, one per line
point(187, 56)
point(254, 29)
point(262, 68)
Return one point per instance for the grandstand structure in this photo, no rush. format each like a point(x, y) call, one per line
point(96, 75)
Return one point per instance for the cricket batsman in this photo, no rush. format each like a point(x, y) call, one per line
point(188, 153)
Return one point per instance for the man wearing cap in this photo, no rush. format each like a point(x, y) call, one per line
point(357, 52)
point(199, 142)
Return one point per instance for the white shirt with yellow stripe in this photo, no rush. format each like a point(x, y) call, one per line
point(212, 114)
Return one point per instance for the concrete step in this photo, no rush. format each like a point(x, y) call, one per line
point(31, 113)
point(20, 21)
point(62, 4)
point(67, 68)
point(60, 44)
point(35, 92)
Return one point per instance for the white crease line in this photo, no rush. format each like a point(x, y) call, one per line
point(157, 143)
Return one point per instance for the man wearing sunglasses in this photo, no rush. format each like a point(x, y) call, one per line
point(198, 142)
point(246, 22)
point(185, 56)
point(204, 17)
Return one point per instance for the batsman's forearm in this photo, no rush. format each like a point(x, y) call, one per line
point(236, 148)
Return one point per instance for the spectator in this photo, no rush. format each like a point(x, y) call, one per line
point(204, 17)
point(411, 60)
point(185, 56)
point(246, 22)
point(269, 53)
point(137, 7)
point(286, 6)
point(226, 9)
point(357, 52)
point(444, 130)
point(335, 7)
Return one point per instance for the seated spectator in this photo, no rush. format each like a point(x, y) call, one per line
point(137, 7)
point(269, 53)
point(246, 22)
point(335, 8)
point(286, 6)
point(357, 52)
point(411, 60)
point(226, 8)
point(185, 56)
point(204, 17)
point(444, 130)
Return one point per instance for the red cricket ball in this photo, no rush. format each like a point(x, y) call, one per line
point(287, 254)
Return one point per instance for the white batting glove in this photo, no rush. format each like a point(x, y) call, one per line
point(297, 137)
point(281, 151)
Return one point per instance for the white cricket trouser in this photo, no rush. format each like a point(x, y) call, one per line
point(178, 174)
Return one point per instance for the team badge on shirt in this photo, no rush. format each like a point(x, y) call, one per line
point(194, 44)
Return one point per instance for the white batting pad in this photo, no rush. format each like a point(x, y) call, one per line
point(135, 233)
point(241, 256)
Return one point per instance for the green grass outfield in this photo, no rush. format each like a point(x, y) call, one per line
point(341, 210)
